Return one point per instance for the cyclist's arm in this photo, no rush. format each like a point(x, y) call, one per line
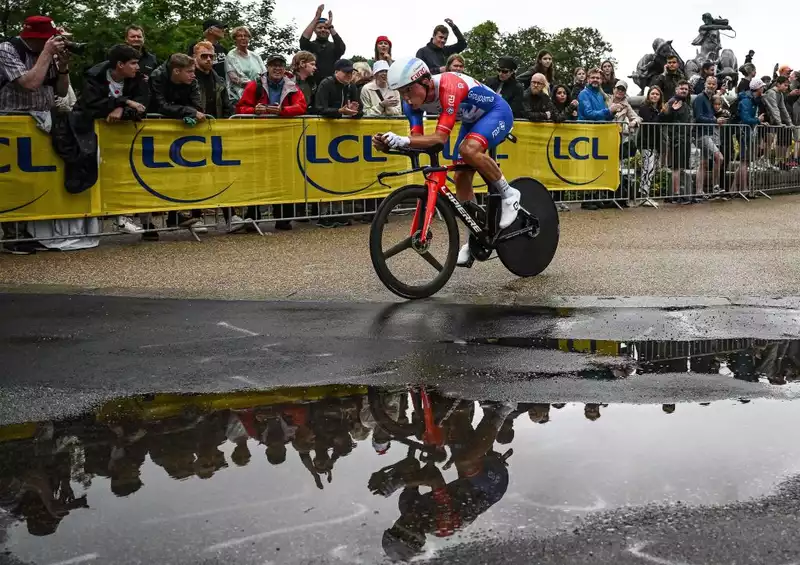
point(452, 91)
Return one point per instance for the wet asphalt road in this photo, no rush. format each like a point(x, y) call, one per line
point(668, 435)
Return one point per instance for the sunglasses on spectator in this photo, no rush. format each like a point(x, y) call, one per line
point(206, 56)
point(499, 70)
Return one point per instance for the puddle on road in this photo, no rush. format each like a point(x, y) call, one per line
point(348, 474)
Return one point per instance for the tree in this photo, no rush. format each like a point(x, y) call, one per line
point(578, 47)
point(483, 48)
point(524, 45)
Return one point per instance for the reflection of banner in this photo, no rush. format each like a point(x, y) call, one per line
point(165, 165)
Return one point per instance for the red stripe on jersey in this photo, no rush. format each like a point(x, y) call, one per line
point(417, 130)
point(452, 91)
point(479, 138)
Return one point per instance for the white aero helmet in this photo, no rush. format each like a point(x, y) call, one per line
point(406, 71)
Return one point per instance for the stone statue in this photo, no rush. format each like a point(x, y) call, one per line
point(652, 64)
point(709, 42)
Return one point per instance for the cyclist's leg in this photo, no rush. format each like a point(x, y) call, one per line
point(463, 179)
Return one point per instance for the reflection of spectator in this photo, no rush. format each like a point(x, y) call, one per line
point(214, 99)
point(669, 79)
point(539, 413)
point(579, 83)
point(592, 105)
point(273, 93)
point(383, 50)
point(668, 408)
point(507, 85)
point(134, 36)
point(677, 112)
point(609, 77)
point(436, 52)
point(566, 108)
point(327, 52)
point(536, 104)
point(592, 411)
point(377, 98)
point(336, 96)
point(241, 64)
point(214, 32)
point(304, 65)
point(455, 64)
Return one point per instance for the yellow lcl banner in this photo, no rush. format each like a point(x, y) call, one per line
point(159, 165)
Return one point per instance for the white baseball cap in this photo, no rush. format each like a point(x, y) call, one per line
point(379, 66)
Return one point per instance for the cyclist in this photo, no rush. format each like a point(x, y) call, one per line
point(486, 120)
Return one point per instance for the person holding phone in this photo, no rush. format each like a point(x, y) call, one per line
point(377, 98)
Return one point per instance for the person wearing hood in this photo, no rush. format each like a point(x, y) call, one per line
point(536, 104)
point(436, 52)
point(677, 111)
point(748, 115)
point(377, 98)
point(506, 84)
point(327, 52)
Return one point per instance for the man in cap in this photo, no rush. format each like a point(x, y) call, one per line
point(34, 69)
point(336, 96)
point(273, 93)
point(506, 84)
point(327, 52)
point(214, 32)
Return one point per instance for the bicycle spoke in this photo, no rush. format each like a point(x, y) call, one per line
point(432, 261)
point(402, 246)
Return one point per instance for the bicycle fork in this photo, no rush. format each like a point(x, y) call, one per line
point(433, 182)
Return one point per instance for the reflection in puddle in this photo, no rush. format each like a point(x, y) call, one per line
point(359, 474)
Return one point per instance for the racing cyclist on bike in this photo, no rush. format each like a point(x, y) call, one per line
point(486, 120)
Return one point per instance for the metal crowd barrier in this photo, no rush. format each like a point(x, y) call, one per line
point(659, 163)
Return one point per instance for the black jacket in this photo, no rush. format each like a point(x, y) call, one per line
point(650, 136)
point(221, 102)
point(436, 57)
point(173, 100)
point(96, 100)
point(332, 95)
point(678, 135)
point(576, 89)
point(510, 90)
point(668, 82)
point(534, 107)
point(147, 62)
point(307, 88)
point(327, 52)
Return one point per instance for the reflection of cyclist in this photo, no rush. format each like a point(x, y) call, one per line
point(486, 121)
point(482, 482)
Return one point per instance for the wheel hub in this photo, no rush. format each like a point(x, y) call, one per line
point(418, 245)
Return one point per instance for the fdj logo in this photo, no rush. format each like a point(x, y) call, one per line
point(190, 151)
point(584, 150)
point(24, 157)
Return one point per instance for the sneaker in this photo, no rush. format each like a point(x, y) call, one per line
point(283, 225)
point(327, 223)
point(237, 224)
point(588, 206)
point(21, 248)
point(186, 222)
point(150, 235)
point(465, 258)
point(126, 225)
point(509, 208)
point(199, 227)
point(561, 207)
point(343, 222)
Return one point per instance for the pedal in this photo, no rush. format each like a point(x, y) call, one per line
point(478, 251)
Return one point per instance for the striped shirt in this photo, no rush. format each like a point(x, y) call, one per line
point(12, 96)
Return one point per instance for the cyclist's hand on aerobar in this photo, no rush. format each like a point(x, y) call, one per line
point(395, 141)
point(379, 144)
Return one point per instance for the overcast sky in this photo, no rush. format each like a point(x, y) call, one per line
point(629, 26)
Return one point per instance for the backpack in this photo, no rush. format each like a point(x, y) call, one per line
point(734, 110)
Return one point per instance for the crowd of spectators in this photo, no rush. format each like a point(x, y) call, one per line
point(210, 80)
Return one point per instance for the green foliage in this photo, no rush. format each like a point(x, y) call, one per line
point(170, 26)
point(358, 59)
point(571, 48)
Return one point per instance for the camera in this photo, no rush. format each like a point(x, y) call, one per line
point(73, 46)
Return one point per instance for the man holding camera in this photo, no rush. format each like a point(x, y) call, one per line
point(34, 69)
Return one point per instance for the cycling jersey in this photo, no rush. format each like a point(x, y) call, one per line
point(485, 115)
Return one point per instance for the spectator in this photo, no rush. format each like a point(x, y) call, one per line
point(708, 136)
point(273, 93)
point(749, 72)
point(34, 69)
point(709, 69)
point(326, 51)
point(506, 84)
point(627, 116)
point(677, 112)
point(566, 108)
point(669, 79)
point(579, 82)
point(214, 32)
point(304, 65)
point(175, 93)
point(115, 90)
point(362, 75)
point(377, 98)
point(336, 96)
point(609, 77)
point(383, 50)
point(778, 116)
point(455, 64)
point(651, 138)
point(214, 99)
point(592, 105)
point(726, 135)
point(748, 115)
point(241, 64)
point(134, 36)
point(436, 52)
point(536, 105)
point(544, 65)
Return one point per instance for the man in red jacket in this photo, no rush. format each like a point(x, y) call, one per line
point(273, 93)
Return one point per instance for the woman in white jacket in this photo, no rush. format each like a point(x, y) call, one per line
point(377, 98)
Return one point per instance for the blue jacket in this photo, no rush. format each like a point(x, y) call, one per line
point(748, 109)
point(592, 106)
point(704, 114)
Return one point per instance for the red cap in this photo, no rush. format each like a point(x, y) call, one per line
point(383, 38)
point(38, 27)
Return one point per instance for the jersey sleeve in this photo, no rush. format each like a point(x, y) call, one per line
point(414, 119)
point(452, 91)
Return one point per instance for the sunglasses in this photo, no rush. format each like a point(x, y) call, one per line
point(206, 56)
point(499, 70)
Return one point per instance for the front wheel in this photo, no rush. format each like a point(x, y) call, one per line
point(408, 267)
point(527, 255)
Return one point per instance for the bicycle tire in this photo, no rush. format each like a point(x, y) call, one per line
point(391, 282)
point(378, 410)
point(523, 255)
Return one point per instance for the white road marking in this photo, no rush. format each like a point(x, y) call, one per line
point(79, 559)
point(237, 329)
point(233, 508)
point(246, 380)
point(369, 375)
point(636, 551)
point(256, 537)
